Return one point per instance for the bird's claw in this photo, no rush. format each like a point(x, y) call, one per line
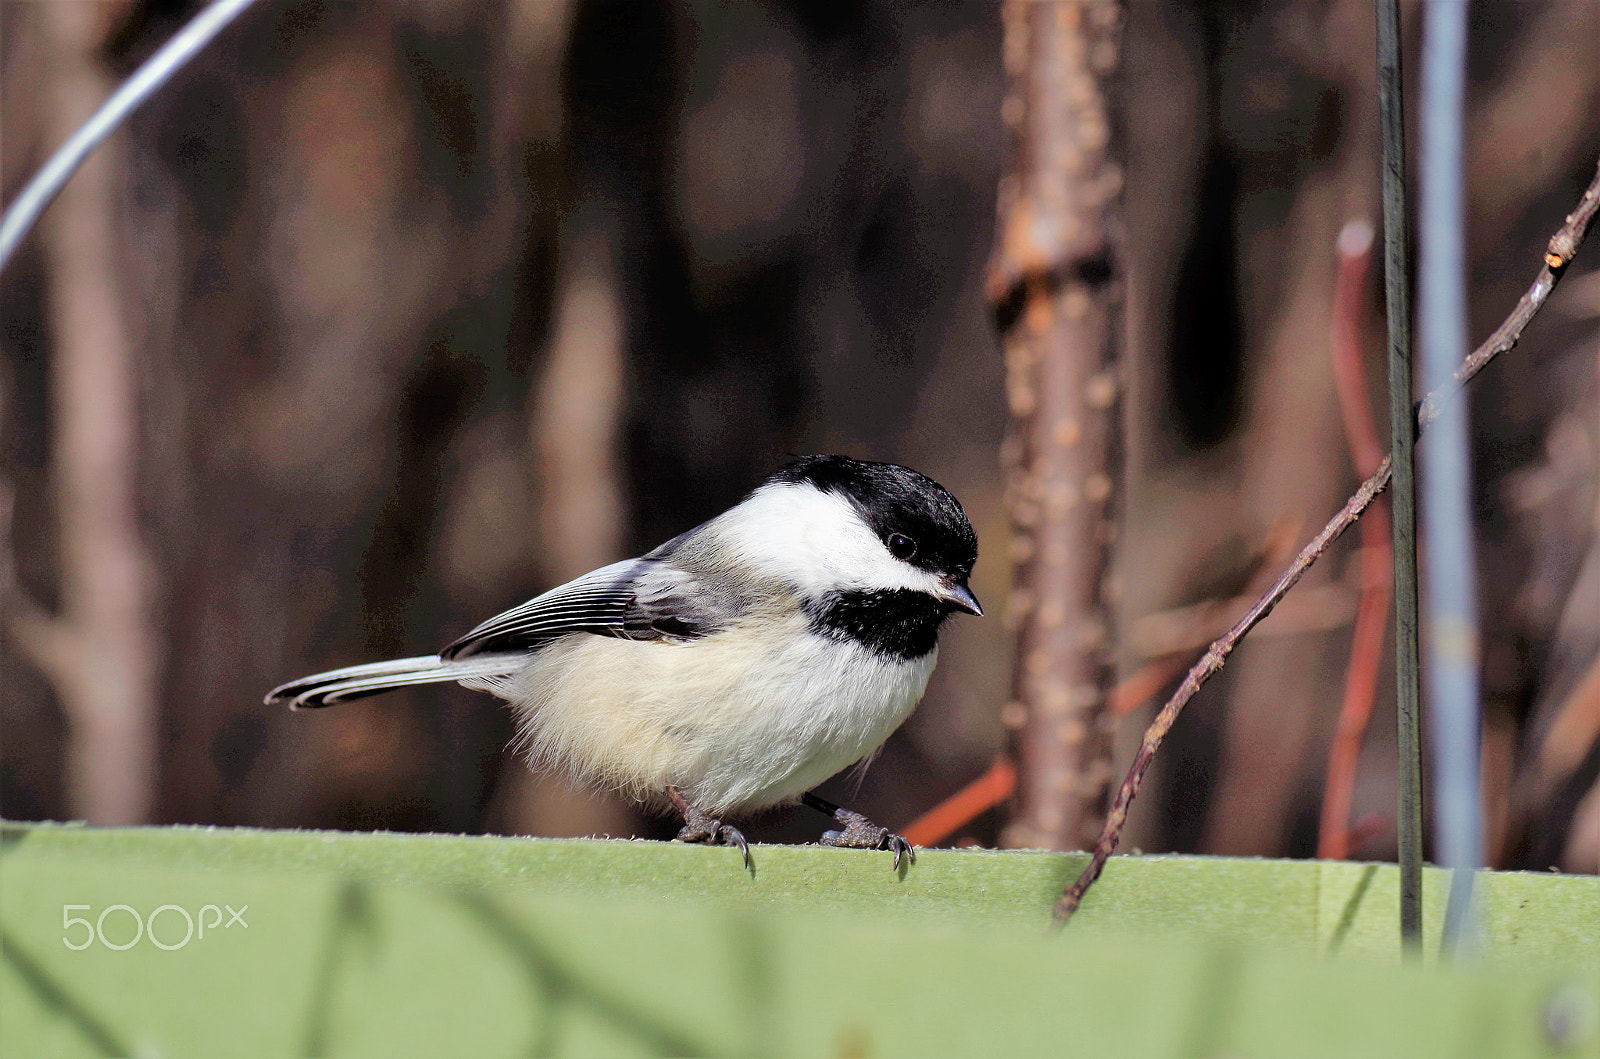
point(901, 845)
point(861, 833)
point(701, 827)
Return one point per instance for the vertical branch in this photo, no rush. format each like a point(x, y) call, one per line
point(1055, 285)
point(1402, 444)
point(100, 651)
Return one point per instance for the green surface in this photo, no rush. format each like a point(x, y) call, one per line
point(401, 945)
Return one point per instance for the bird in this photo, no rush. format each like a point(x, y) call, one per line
point(736, 666)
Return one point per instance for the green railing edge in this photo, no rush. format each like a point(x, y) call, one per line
point(450, 935)
point(1320, 906)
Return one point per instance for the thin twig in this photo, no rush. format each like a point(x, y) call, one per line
point(1563, 245)
point(1202, 671)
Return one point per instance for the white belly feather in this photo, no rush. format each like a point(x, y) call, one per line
point(734, 724)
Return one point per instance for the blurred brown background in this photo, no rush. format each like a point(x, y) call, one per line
point(385, 316)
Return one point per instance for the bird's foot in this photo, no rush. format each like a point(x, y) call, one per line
point(700, 826)
point(859, 832)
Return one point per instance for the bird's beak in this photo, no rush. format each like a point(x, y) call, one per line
point(959, 596)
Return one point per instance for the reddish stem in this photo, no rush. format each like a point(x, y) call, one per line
point(1376, 555)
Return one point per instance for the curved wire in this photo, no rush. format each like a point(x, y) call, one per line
point(156, 71)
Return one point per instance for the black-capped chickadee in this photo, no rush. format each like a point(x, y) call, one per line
point(736, 666)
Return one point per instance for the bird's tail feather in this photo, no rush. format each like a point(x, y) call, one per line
point(354, 682)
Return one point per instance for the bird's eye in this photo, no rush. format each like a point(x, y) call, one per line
point(901, 546)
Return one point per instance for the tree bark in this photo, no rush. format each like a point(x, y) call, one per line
point(1056, 271)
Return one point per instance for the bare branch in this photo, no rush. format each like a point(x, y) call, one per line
point(1558, 255)
point(1563, 245)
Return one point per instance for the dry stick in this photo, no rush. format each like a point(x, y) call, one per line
point(1563, 245)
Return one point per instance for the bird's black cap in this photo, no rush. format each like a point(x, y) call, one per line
point(894, 499)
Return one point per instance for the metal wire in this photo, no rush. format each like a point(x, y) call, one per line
point(156, 71)
point(1403, 490)
point(1450, 585)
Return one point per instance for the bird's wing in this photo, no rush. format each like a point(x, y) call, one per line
point(640, 599)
